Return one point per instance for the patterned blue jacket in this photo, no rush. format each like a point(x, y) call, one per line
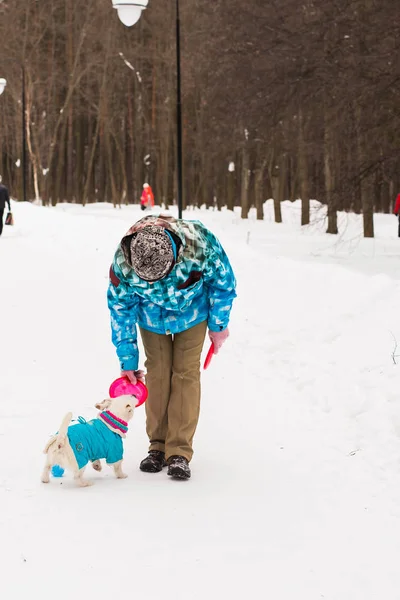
point(200, 287)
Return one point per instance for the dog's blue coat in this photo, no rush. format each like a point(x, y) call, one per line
point(92, 440)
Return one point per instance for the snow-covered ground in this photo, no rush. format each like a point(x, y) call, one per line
point(295, 493)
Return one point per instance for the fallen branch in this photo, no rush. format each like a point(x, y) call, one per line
point(394, 355)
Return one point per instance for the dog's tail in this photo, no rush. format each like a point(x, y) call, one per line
point(60, 437)
point(62, 432)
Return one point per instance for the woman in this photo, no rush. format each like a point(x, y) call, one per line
point(173, 279)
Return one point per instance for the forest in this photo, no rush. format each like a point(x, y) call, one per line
point(281, 100)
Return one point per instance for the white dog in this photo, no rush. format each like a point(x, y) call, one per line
point(76, 445)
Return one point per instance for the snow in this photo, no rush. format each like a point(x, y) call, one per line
point(295, 493)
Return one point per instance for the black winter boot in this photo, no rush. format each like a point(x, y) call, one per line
point(178, 467)
point(154, 462)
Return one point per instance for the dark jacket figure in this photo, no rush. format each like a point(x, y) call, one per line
point(4, 199)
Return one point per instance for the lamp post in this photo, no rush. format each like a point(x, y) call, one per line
point(3, 83)
point(129, 12)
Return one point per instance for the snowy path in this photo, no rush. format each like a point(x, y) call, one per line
point(295, 492)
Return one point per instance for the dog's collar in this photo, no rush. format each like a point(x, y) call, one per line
point(113, 422)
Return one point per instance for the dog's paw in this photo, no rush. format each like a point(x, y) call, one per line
point(122, 475)
point(45, 479)
point(96, 464)
point(84, 483)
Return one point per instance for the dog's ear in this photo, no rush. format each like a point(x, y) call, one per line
point(103, 405)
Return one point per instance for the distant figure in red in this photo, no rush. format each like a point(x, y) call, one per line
point(147, 199)
point(397, 210)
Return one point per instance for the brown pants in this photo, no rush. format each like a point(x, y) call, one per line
point(173, 381)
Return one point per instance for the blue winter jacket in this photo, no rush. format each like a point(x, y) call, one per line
point(200, 287)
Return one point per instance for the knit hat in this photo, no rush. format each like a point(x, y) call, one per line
point(153, 253)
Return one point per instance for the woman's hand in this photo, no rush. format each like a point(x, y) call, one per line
point(134, 376)
point(218, 338)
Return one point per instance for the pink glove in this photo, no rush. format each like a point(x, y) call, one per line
point(218, 338)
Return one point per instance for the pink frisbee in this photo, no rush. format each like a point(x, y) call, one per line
point(122, 386)
point(209, 357)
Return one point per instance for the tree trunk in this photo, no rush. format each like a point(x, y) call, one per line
point(259, 188)
point(365, 188)
point(275, 178)
point(304, 183)
point(230, 190)
point(244, 195)
point(329, 177)
point(31, 151)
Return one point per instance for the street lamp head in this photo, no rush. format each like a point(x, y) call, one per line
point(129, 11)
point(3, 84)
